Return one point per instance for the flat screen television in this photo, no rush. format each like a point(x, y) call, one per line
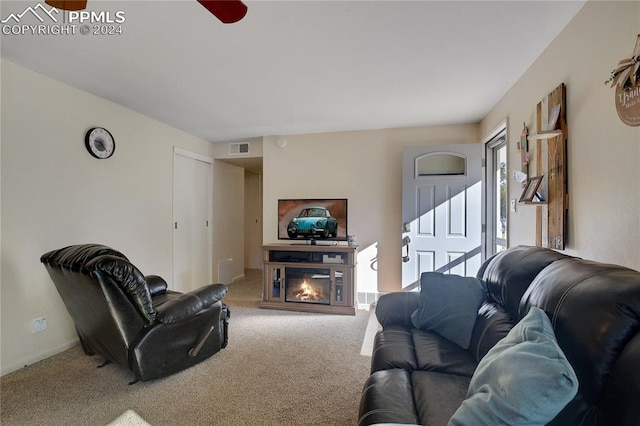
point(319, 219)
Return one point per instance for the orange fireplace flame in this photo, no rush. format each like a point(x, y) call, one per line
point(307, 292)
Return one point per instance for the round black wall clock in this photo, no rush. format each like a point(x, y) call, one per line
point(100, 143)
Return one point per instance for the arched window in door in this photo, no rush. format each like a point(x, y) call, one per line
point(441, 164)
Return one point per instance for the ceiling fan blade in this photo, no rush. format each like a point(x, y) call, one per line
point(228, 11)
point(67, 5)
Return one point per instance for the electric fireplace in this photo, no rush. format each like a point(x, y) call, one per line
point(308, 285)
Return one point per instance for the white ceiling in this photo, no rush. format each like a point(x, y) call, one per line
point(300, 67)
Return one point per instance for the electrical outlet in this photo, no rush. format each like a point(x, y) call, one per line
point(38, 324)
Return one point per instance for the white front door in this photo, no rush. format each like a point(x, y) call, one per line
point(441, 211)
point(192, 236)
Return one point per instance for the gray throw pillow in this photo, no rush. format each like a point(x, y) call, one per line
point(448, 305)
point(525, 379)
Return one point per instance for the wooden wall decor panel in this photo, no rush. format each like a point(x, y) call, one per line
point(551, 161)
point(551, 119)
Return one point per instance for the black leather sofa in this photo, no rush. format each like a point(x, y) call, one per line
point(418, 377)
point(135, 320)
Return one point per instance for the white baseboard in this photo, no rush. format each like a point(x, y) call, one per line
point(39, 357)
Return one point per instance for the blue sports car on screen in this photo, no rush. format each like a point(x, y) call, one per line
point(312, 221)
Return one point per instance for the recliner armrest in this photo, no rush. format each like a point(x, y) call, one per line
point(157, 285)
point(188, 305)
point(211, 293)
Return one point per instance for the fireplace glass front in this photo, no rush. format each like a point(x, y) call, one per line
point(308, 285)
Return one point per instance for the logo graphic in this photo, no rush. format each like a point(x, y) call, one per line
point(82, 22)
point(33, 11)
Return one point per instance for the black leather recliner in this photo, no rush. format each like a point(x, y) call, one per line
point(134, 320)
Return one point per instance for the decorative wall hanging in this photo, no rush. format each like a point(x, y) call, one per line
point(548, 157)
point(626, 79)
point(523, 148)
point(520, 176)
point(531, 189)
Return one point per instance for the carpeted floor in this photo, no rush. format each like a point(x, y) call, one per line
point(280, 368)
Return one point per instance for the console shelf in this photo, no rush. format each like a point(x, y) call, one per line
point(309, 278)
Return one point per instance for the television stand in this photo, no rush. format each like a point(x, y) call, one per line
point(309, 278)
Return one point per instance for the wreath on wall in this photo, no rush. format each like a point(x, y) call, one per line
point(626, 79)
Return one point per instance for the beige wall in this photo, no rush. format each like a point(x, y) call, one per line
point(55, 194)
point(366, 168)
point(603, 152)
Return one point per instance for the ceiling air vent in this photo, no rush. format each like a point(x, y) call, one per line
point(239, 148)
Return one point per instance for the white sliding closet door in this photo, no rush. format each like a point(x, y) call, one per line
point(192, 233)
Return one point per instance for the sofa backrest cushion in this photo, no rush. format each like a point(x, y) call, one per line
point(492, 324)
point(508, 274)
point(620, 396)
point(595, 312)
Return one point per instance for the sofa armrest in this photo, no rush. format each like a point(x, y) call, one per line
point(157, 285)
point(188, 305)
point(396, 308)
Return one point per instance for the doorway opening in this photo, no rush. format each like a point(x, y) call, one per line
point(496, 193)
point(239, 235)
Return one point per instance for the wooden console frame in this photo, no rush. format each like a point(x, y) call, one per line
point(277, 257)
